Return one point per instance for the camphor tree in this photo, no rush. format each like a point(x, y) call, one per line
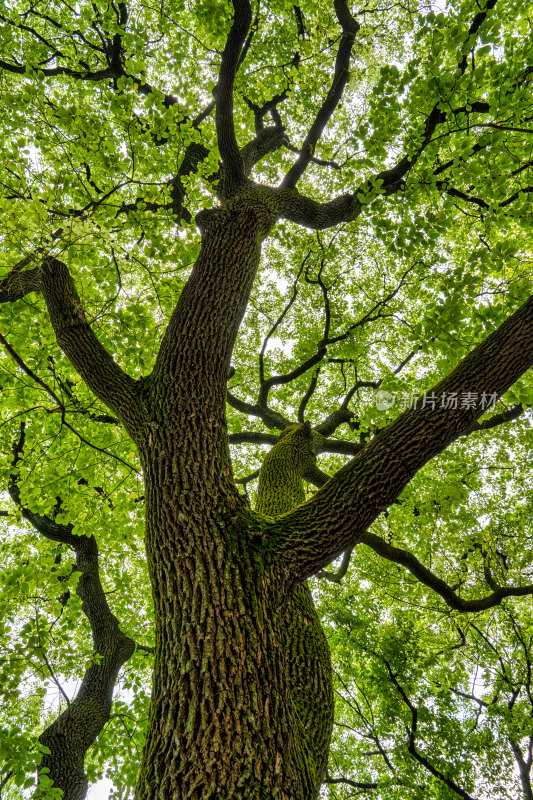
point(232, 224)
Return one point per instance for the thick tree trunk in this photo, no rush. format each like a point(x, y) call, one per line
point(222, 721)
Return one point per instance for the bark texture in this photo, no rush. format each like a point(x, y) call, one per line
point(239, 665)
point(221, 721)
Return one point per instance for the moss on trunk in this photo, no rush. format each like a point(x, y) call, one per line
point(308, 660)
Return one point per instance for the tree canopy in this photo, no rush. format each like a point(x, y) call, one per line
point(391, 318)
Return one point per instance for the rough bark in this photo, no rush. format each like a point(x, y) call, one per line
point(74, 335)
point(221, 721)
point(80, 344)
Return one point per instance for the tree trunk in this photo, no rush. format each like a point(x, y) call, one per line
point(222, 721)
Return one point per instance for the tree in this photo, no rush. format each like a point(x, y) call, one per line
point(375, 163)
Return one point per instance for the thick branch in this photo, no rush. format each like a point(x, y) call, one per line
point(75, 730)
point(353, 784)
point(17, 284)
point(81, 345)
point(334, 420)
point(337, 516)
point(498, 419)
point(227, 142)
point(302, 210)
point(268, 140)
point(194, 155)
point(272, 419)
point(313, 474)
point(74, 334)
point(336, 577)
point(252, 437)
point(340, 446)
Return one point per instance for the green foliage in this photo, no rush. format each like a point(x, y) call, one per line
point(89, 162)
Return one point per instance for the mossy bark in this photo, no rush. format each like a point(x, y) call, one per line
point(308, 660)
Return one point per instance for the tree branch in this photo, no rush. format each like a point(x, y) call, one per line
point(278, 380)
point(412, 740)
point(353, 784)
point(498, 419)
point(252, 437)
point(227, 142)
point(342, 414)
point(300, 416)
point(428, 578)
point(268, 140)
point(336, 577)
point(340, 78)
point(272, 419)
point(334, 420)
point(74, 334)
point(82, 347)
point(18, 283)
point(194, 155)
point(309, 213)
point(347, 207)
point(263, 393)
point(111, 53)
point(336, 517)
point(75, 730)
